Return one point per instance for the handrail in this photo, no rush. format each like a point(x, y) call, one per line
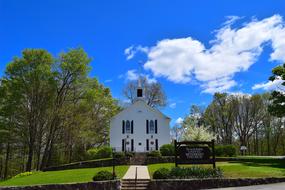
point(136, 176)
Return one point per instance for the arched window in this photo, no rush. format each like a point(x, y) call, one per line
point(151, 126)
point(128, 126)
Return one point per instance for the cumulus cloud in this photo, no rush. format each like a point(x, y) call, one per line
point(233, 50)
point(172, 105)
point(132, 75)
point(179, 120)
point(270, 85)
point(131, 51)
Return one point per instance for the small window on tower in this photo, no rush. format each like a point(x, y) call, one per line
point(139, 93)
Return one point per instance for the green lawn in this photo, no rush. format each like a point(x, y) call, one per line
point(245, 169)
point(63, 176)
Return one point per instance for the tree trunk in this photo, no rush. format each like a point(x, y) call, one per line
point(39, 154)
point(7, 161)
point(256, 151)
point(30, 157)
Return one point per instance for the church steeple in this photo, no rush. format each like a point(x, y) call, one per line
point(139, 89)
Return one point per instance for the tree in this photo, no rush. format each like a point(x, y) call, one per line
point(219, 116)
point(29, 82)
point(193, 126)
point(277, 108)
point(51, 111)
point(153, 92)
point(71, 68)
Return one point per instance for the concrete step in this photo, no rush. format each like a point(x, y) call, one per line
point(134, 188)
point(133, 184)
point(138, 180)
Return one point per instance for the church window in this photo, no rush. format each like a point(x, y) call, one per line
point(151, 126)
point(128, 126)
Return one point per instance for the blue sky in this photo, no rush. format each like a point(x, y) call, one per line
point(194, 48)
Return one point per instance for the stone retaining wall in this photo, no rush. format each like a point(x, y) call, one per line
point(167, 184)
point(196, 184)
point(99, 185)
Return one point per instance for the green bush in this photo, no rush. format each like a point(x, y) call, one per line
point(23, 174)
point(230, 150)
point(188, 173)
point(101, 152)
point(103, 175)
point(161, 173)
point(225, 150)
point(154, 153)
point(195, 172)
point(129, 154)
point(167, 150)
point(119, 155)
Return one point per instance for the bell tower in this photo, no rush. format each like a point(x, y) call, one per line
point(139, 89)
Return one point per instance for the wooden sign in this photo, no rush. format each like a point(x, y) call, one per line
point(195, 152)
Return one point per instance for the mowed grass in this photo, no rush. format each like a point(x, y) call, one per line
point(63, 176)
point(244, 169)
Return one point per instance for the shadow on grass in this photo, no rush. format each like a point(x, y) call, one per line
point(268, 162)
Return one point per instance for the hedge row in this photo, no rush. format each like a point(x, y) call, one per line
point(90, 164)
point(187, 173)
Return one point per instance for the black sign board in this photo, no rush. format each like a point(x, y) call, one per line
point(195, 152)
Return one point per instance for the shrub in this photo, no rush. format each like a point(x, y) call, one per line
point(195, 172)
point(129, 154)
point(161, 173)
point(167, 150)
point(23, 174)
point(230, 150)
point(101, 152)
point(119, 155)
point(103, 175)
point(188, 173)
point(154, 153)
point(225, 150)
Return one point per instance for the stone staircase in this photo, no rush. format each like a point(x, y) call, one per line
point(132, 184)
point(138, 159)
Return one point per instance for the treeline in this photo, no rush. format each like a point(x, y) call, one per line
point(242, 120)
point(51, 111)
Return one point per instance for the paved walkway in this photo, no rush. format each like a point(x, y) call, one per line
point(274, 186)
point(142, 172)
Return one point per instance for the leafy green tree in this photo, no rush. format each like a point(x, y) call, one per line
point(71, 68)
point(29, 82)
point(51, 112)
point(219, 116)
point(277, 108)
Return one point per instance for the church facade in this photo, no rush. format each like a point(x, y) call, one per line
point(139, 128)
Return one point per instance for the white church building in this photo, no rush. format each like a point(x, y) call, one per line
point(139, 127)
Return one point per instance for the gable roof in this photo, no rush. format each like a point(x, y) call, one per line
point(146, 105)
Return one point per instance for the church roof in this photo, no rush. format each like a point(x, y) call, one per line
point(146, 105)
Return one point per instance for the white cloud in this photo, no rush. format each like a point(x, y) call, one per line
point(131, 51)
point(172, 105)
point(134, 75)
point(232, 50)
point(179, 120)
point(108, 80)
point(270, 85)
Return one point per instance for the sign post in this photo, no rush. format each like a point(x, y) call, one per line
point(195, 152)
